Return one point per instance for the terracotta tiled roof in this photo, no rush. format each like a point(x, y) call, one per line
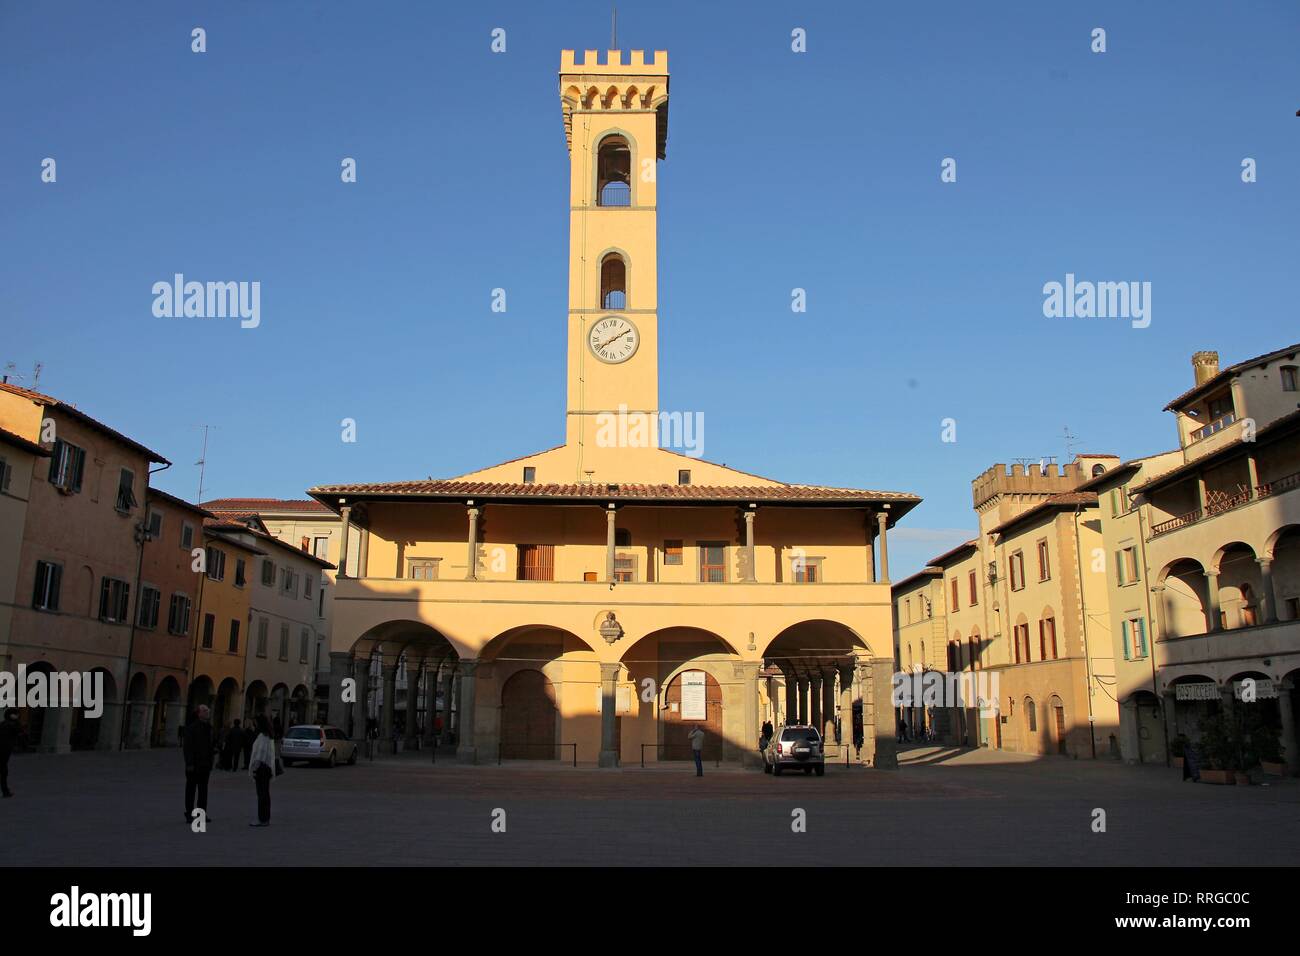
point(601, 491)
point(1227, 373)
point(929, 571)
point(50, 402)
point(252, 506)
point(944, 558)
point(18, 441)
point(1288, 421)
point(1069, 499)
point(224, 526)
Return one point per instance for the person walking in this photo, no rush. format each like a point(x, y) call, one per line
point(696, 737)
point(262, 769)
point(11, 733)
point(197, 748)
point(233, 748)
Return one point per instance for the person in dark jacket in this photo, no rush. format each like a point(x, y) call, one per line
point(233, 748)
point(11, 733)
point(198, 746)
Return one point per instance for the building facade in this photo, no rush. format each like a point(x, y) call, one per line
point(601, 597)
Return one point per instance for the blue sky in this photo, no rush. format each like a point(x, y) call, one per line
point(817, 170)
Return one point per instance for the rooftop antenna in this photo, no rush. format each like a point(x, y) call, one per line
point(36, 374)
point(11, 371)
point(1070, 442)
point(203, 460)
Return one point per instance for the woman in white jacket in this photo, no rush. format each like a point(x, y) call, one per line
point(261, 765)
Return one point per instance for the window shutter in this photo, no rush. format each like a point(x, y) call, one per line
point(1124, 629)
point(1142, 635)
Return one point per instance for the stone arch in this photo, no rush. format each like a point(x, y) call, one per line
point(530, 716)
point(168, 713)
point(98, 733)
point(1183, 598)
point(226, 703)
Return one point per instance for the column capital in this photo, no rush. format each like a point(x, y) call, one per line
point(610, 671)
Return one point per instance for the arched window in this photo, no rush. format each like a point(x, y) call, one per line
point(614, 173)
point(1098, 470)
point(1031, 716)
point(613, 282)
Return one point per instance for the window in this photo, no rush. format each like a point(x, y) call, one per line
point(216, 564)
point(262, 625)
point(48, 577)
point(624, 567)
point(320, 547)
point(1016, 569)
point(1044, 561)
point(536, 562)
point(905, 611)
point(5, 473)
point(233, 647)
point(284, 642)
point(807, 570)
point(622, 538)
point(178, 615)
point(713, 562)
point(613, 282)
point(268, 573)
point(187, 536)
point(974, 652)
point(1134, 633)
point(974, 589)
point(1126, 566)
point(155, 525)
point(306, 586)
point(1047, 639)
point(1292, 608)
point(1021, 636)
point(209, 625)
point(673, 551)
point(67, 466)
point(530, 475)
point(304, 646)
point(1098, 470)
point(1116, 502)
point(126, 491)
point(1031, 715)
point(239, 572)
point(150, 601)
point(424, 569)
point(114, 598)
point(1290, 382)
point(288, 580)
point(684, 476)
point(613, 172)
point(953, 582)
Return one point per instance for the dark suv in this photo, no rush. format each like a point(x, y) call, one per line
point(795, 747)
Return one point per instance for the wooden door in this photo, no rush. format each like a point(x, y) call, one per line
point(1060, 728)
point(528, 717)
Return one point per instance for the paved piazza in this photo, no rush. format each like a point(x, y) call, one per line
point(942, 807)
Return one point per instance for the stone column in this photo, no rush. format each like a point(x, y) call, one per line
point(803, 700)
point(749, 752)
point(1170, 710)
point(448, 678)
point(340, 664)
point(815, 700)
point(363, 554)
point(1130, 740)
point(1215, 622)
point(791, 698)
point(827, 726)
point(360, 674)
point(608, 715)
point(750, 570)
point(138, 724)
point(466, 751)
point(871, 547)
point(56, 733)
point(175, 718)
point(886, 756)
point(345, 517)
point(389, 672)
point(882, 520)
point(1267, 596)
point(1289, 753)
point(413, 685)
point(471, 560)
point(846, 707)
point(610, 518)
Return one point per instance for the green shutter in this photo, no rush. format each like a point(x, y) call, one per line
point(1142, 635)
point(1124, 630)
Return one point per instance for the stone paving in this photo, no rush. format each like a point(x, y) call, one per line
point(942, 807)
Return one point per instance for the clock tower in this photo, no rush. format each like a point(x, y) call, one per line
point(616, 127)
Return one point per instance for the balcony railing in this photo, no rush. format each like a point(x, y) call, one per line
point(1218, 425)
point(1218, 505)
point(615, 194)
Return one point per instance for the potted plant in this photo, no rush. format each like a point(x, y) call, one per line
point(1262, 749)
point(1219, 750)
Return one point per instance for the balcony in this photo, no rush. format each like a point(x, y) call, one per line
point(1228, 502)
point(1218, 425)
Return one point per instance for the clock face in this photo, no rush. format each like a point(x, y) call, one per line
point(613, 339)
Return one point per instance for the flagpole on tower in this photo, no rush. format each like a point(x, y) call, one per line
point(613, 30)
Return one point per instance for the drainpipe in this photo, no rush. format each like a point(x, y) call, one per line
point(1087, 651)
point(141, 538)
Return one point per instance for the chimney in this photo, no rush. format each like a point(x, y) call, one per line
point(1206, 366)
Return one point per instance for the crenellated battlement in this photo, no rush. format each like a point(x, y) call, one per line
point(1046, 478)
point(613, 62)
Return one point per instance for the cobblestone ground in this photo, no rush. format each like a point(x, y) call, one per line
point(943, 807)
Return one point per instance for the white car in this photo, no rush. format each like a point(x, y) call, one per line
point(317, 743)
point(795, 747)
